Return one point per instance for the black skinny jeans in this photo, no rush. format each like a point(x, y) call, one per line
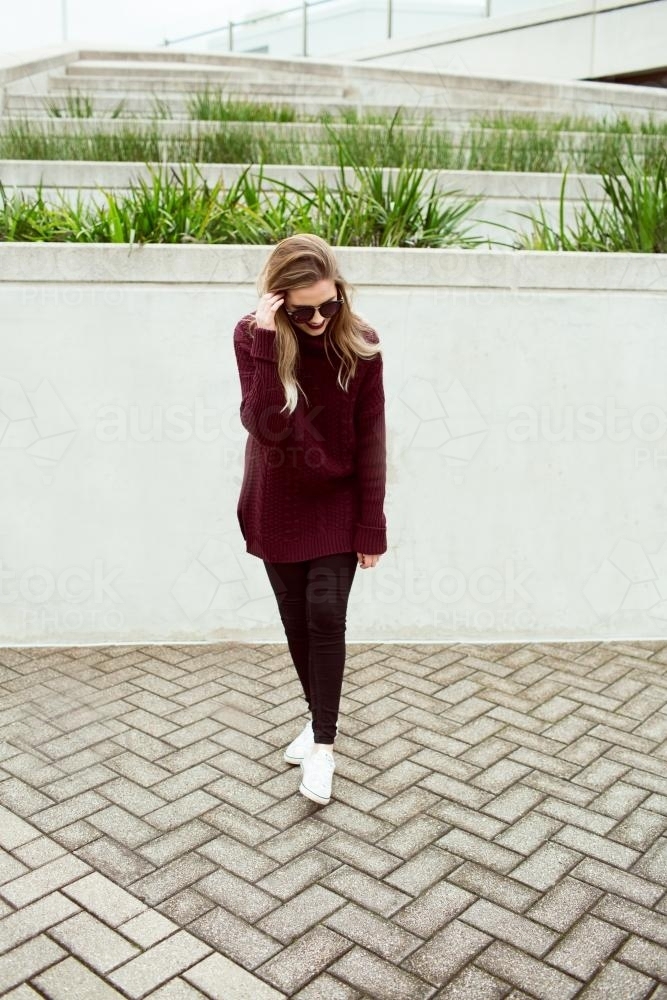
point(312, 600)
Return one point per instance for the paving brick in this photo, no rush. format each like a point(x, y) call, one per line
point(114, 860)
point(498, 922)
point(558, 787)
point(103, 898)
point(164, 960)
point(474, 984)
point(288, 880)
point(172, 877)
point(645, 956)
point(601, 774)
point(514, 803)
point(237, 823)
point(617, 980)
point(471, 820)
point(41, 881)
point(28, 921)
point(369, 858)
point(122, 826)
point(633, 917)
point(131, 796)
point(235, 938)
point(68, 812)
point(412, 836)
point(586, 947)
point(14, 831)
point(375, 933)
point(524, 972)
point(27, 959)
point(70, 978)
point(233, 893)
point(501, 889)
point(546, 866)
point(459, 791)
point(366, 891)
point(297, 963)
point(22, 992)
point(653, 864)
point(368, 972)
point(184, 838)
point(326, 987)
point(98, 945)
point(567, 812)
point(613, 880)
point(10, 868)
point(433, 908)
point(238, 858)
point(184, 906)
point(565, 903)
point(640, 829)
point(501, 775)
point(447, 952)
point(597, 847)
point(466, 845)
point(528, 833)
point(177, 989)
point(221, 979)
point(21, 798)
point(301, 912)
point(39, 851)
point(417, 874)
point(148, 928)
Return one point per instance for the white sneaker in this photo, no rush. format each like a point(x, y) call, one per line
point(318, 767)
point(297, 748)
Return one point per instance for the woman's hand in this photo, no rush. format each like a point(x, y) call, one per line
point(366, 561)
point(267, 308)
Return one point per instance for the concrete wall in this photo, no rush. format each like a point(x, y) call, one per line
point(583, 39)
point(526, 446)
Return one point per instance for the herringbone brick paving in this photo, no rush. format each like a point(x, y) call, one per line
point(497, 828)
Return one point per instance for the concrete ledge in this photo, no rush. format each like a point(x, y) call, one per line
point(224, 264)
point(15, 67)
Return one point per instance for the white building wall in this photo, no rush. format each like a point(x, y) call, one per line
point(582, 39)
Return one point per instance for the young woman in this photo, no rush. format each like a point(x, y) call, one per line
point(312, 497)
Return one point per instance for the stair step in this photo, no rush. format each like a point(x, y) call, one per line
point(58, 83)
point(34, 106)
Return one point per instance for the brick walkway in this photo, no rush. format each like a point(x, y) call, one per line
point(497, 827)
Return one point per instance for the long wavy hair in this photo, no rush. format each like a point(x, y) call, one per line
point(296, 262)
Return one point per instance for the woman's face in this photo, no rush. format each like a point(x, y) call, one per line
point(312, 295)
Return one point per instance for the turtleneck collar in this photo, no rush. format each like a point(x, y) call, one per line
point(310, 341)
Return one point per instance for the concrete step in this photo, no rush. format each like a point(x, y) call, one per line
point(502, 194)
point(60, 82)
point(141, 106)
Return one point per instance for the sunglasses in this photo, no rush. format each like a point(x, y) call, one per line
point(304, 314)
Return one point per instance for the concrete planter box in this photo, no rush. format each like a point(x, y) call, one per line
point(526, 446)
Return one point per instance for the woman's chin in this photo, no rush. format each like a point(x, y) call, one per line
point(313, 329)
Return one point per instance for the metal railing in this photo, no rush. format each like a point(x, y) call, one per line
point(303, 8)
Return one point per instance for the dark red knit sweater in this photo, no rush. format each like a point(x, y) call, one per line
point(314, 480)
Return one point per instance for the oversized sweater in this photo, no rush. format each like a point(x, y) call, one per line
point(314, 480)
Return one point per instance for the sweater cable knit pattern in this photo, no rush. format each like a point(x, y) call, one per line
point(314, 480)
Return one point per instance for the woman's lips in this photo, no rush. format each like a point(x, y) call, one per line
point(318, 326)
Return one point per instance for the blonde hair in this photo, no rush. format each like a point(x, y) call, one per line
point(296, 262)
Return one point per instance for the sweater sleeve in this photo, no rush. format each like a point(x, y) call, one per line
point(262, 393)
point(370, 535)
